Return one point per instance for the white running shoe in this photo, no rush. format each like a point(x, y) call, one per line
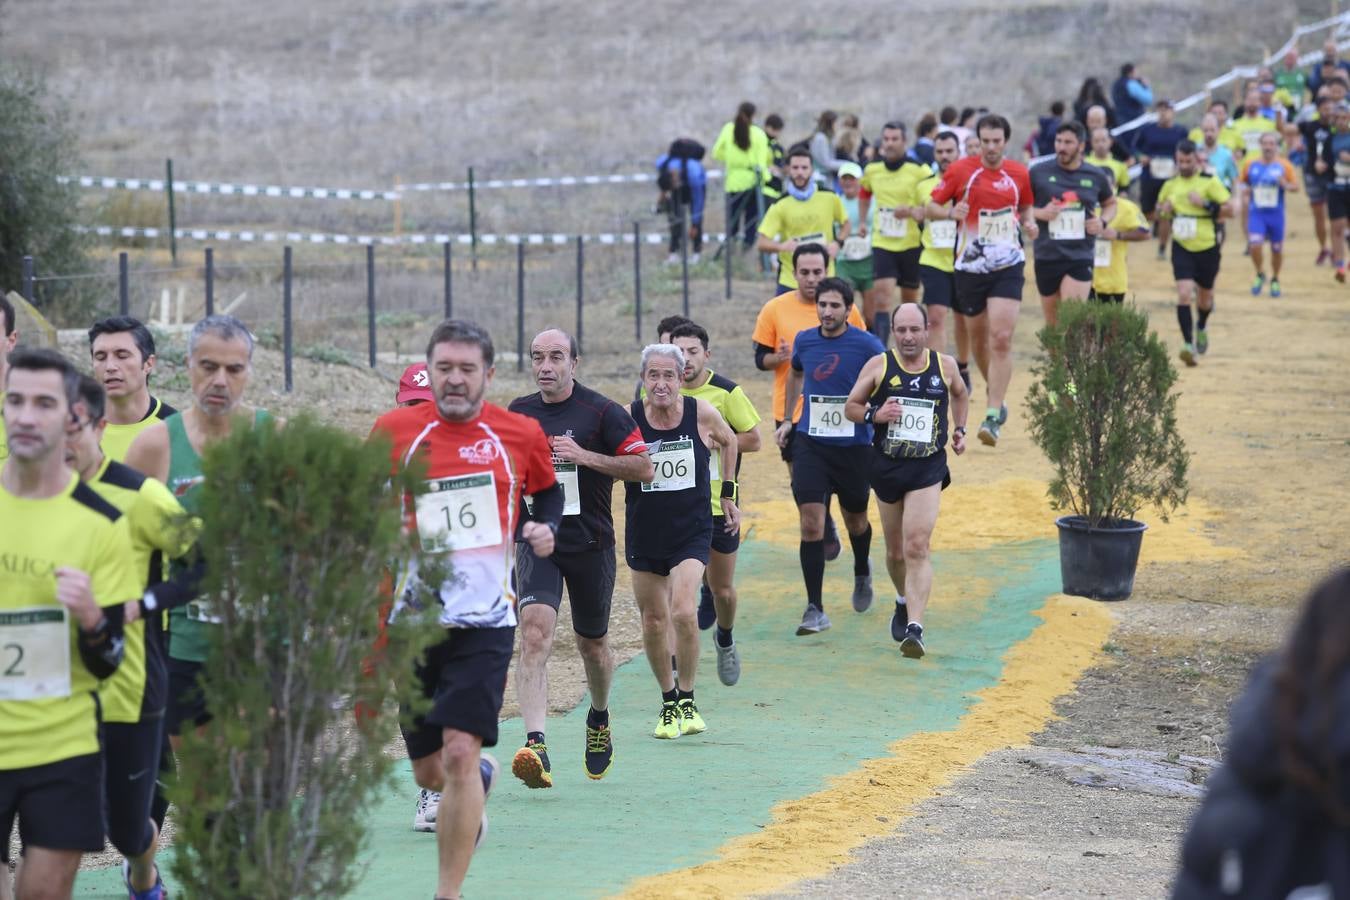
point(728, 663)
point(428, 802)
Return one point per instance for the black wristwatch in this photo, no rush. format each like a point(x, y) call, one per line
point(959, 429)
point(869, 414)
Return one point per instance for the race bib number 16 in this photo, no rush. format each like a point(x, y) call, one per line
point(459, 514)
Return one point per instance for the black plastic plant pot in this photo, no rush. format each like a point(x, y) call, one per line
point(1099, 562)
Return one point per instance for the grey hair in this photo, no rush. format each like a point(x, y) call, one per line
point(670, 350)
point(227, 328)
point(462, 331)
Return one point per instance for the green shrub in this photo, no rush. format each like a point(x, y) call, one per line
point(1103, 411)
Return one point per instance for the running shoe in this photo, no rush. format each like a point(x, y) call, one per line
point(862, 590)
point(1162, 253)
point(912, 645)
point(728, 663)
point(668, 723)
point(488, 770)
point(156, 892)
point(599, 752)
point(1340, 273)
point(899, 619)
point(1275, 287)
point(690, 721)
point(531, 766)
point(1323, 256)
point(814, 621)
point(428, 802)
point(707, 610)
point(1201, 341)
point(832, 545)
point(1258, 283)
point(1188, 354)
point(965, 376)
point(989, 431)
point(1003, 414)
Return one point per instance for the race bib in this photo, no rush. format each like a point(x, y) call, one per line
point(715, 463)
point(1101, 252)
point(1162, 167)
point(998, 226)
point(34, 653)
point(1253, 140)
point(888, 225)
point(1068, 225)
point(459, 514)
point(855, 248)
point(1265, 196)
point(203, 611)
point(827, 418)
point(566, 473)
point(915, 423)
point(1185, 227)
point(943, 234)
point(816, 238)
point(674, 464)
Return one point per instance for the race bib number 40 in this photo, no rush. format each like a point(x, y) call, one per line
point(1266, 196)
point(674, 464)
point(915, 423)
point(943, 232)
point(827, 418)
point(459, 514)
point(1185, 227)
point(998, 226)
point(1069, 225)
point(34, 653)
point(889, 225)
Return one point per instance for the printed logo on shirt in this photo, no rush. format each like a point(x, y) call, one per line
point(481, 453)
point(181, 486)
point(825, 368)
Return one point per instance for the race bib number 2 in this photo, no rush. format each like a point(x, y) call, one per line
point(459, 514)
point(34, 653)
point(674, 464)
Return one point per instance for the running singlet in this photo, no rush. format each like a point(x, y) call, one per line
point(991, 237)
point(939, 235)
point(1083, 191)
point(672, 511)
point(921, 429)
point(117, 438)
point(830, 367)
point(1265, 180)
point(727, 397)
point(599, 425)
point(782, 319)
point(1193, 226)
point(48, 711)
point(157, 526)
point(189, 638)
point(805, 221)
point(477, 474)
point(890, 187)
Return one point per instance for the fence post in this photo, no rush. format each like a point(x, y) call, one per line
point(449, 289)
point(173, 217)
point(759, 213)
point(370, 300)
point(210, 281)
point(728, 244)
point(637, 281)
point(123, 285)
point(473, 221)
point(684, 259)
point(28, 275)
point(520, 306)
point(287, 337)
point(581, 268)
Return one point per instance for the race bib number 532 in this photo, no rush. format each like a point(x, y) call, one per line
point(34, 653)
point(459, 514)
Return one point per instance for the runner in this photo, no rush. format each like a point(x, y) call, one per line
point(1227, 135)
point(735, 408)
point(830, 457)
point(1101, 157)
point(854, 264)
point(773, 179)
point(132, 702)
point(1251, 124)
point(593, 441)
point(1219, 160)
point(993, 203)
point(1265, 180)
point(1195, 202)
point(1074, 201)
point(1336, 160)
point(1314, 126)
point(806, 214)
point(1110, 275)
point(480, 461)
point(890, 183)
point(220, 365)
point(68, 575)
point(123, 354)
point(9, 336)
point(668, 527)
point(936, 264)
point(1156, 144)
point(910, 396)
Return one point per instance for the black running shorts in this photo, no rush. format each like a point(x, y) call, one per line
point(973, 289)
point(464, 677)
point(1050, 274)
point(725, 542)
point(59, 805)
point(588, 576)
point(819, 470)
point(1201, 267)
point(902, 265)
point(939, 287)
point(892, 479)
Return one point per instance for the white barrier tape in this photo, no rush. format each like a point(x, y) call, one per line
point(558, 181)
point(385, 240)
point(228, 189)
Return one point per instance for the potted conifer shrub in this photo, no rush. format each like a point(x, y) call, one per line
point(1103, 410)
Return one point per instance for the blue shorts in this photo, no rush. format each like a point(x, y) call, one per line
point(1266, 225)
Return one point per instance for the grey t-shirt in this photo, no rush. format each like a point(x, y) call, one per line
point(1065, 239)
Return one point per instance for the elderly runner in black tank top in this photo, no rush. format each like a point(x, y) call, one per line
point(668, 531)
point(912, 396)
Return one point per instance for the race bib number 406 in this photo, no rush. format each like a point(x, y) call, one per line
point(915, 423)
point(459, 513)
point(34, 653)
point(674, 464)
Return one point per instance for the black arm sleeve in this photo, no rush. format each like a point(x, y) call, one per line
point(101, 650)
point(181, 588)
point(761, 351)
point(548, 507)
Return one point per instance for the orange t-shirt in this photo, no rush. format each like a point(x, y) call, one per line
point(783, 318)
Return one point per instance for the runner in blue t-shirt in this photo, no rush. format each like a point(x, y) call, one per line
point(830, 455)
point(1266, 179)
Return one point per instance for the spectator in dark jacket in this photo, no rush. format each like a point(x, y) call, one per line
point(1276, 814)
point(1089, 95)
point(1046, 126)
point(683, 184)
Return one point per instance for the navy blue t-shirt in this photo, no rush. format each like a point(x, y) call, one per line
point(830, 368)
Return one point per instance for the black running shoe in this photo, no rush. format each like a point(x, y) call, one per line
point(599, 752)
point(832, 545)
point(707, 610)
point(899, 619)
point(912, 645)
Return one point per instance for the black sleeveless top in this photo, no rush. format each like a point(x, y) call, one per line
point(675, 509)
point(925, 400)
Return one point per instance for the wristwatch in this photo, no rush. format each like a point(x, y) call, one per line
point(959, 429)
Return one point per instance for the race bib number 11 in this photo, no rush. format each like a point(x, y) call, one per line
point(459, 514)
point(34, 653)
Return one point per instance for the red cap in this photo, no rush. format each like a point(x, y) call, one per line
point(415, 384)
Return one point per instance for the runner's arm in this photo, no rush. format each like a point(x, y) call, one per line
point(149, 452)
point(102, 647)
point(860, 398)
point(548, 506)
point(956, 387)
point(748, 441)
point(792, 392)
point(630, 464)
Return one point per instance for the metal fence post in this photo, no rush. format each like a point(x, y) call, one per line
point(473, 221)
point(727, 248)
point(520, 306)
point(173, 217)
point(370, 300)
point(210, 281)
point(759, 212)
point(123, 285)
point(29, 274)
point(287, 336)
point(637, 281)
point(449, 287)
point(684, 259)
point(581, 268)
